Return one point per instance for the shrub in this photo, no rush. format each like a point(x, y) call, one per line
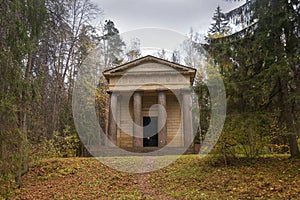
point(245, 135)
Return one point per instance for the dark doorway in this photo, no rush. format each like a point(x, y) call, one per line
point(150, 131)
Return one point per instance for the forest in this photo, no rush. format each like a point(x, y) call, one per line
point(43, 44)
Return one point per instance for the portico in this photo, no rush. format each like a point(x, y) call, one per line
point(150, 104)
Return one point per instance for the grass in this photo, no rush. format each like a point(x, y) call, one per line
point(274, 177)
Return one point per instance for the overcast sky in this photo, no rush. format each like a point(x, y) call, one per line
point(178, 15)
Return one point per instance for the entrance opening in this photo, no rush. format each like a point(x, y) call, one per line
point(150, 131)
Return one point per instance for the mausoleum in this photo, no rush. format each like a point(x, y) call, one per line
point(150, 104)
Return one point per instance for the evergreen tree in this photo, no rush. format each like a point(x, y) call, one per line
point(260, 67)
point(22, 24)
point(277, 37)
point(113, 44)
point(220, 26)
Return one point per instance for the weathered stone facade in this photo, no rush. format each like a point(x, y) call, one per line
point(150, 89)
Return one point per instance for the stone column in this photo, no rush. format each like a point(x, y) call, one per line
point(162, 118)
point(187, 117)
point(112, 129)
point(137, 119)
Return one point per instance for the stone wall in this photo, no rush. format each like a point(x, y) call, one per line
point(174, 126)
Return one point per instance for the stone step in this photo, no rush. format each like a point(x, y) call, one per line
point(151, 151)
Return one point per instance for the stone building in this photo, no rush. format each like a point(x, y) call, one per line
point(150, 104)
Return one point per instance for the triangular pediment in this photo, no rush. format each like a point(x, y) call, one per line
point(148, 64)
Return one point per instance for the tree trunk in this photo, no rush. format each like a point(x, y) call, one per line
point(289, 119)
point(23, 151)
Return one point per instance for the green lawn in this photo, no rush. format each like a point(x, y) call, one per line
point(188, 178)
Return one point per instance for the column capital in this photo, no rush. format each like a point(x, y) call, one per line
point(116, 92)
point(138, 91)
point(185, 90)
point(162, 90)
